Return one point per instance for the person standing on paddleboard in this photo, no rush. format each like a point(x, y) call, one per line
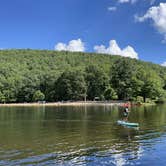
point(126, 112)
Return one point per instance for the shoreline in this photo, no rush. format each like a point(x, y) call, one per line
point(77, 103)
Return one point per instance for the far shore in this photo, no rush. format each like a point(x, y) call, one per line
point(77, 103)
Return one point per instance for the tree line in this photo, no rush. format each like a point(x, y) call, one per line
point(37, 75)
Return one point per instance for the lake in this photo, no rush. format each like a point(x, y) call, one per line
point(82, 136)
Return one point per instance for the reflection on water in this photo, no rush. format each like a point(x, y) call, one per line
point(81, 136)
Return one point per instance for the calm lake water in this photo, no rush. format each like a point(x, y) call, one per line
point(82, 136)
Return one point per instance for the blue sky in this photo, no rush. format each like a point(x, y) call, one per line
point(42, 24)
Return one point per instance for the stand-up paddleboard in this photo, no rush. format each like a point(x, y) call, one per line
point(121, 122)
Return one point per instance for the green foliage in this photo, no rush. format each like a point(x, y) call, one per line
point(110, 94)
point(123, 74)
point(70, 86)
point(2, 98)
point(162, 97)
point(97, 82)
point(139, 99)
point(151, 86)
point(161, 100)
point(38, 96)
point(74, 76)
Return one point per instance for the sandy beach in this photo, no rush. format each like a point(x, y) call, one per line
point(78, 103)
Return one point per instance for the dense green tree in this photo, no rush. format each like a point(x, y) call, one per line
point(162, 74)
point(151, 86)
point(30, 85)
point(38, 96)
point(23, 72)
point(70, 86)
point(2, 98)
point(123, 78)
point(110, 94)
point(97, 82)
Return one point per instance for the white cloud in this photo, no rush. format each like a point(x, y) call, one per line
point(114, 49)
point(123, 1)
point(112, 8)
point(127, 1)
point(163, 64)
point(134, 1)
point(158, 16)
point(73, 46)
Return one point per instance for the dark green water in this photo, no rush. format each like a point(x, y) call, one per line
point(81, 136)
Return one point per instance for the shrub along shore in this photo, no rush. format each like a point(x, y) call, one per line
point(42, 75)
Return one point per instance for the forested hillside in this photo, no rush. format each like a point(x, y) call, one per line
point(35, 75)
